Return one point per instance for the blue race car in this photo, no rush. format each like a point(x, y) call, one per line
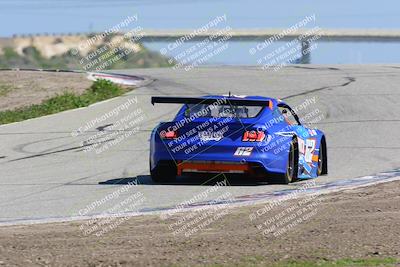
point(252, 135)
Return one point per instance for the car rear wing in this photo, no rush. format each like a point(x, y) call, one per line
point(201, 100)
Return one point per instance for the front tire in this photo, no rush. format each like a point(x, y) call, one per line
point(322, 158)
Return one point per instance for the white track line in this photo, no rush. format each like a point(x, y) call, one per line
point(383, 177)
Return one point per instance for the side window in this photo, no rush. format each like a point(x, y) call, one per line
point(289, 115)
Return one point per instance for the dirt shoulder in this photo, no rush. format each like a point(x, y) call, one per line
point(23, 88)
point(357, 224)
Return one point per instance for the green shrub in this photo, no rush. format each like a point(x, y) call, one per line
point(100, 90)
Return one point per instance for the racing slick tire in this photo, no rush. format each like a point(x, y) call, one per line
point(322, 158)
point(163, 173)
point(291, 168)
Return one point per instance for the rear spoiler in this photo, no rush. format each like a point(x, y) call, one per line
point(200, 100)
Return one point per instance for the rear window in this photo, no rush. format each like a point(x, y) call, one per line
point(221, 111)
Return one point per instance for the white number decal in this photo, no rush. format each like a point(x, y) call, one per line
point(309, 150)
point(243, 151)
point(301, 145)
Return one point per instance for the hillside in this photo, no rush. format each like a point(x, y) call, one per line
point(77, 52)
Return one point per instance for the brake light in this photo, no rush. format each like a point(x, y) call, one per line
point(169, 134)
point(253, 136)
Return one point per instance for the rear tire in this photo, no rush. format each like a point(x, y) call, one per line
point(291, 168)
point(164, 173)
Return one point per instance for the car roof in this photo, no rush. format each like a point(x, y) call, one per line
point(239, 97)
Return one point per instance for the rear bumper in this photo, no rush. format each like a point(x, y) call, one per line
point(210, 167)
point(213, 167)
point(219, 156)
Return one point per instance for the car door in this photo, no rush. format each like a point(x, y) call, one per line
point(307, 139)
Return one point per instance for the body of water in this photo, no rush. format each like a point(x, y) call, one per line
point(76, 16)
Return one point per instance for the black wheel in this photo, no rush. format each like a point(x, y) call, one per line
point(291, 168)
point(164, 173)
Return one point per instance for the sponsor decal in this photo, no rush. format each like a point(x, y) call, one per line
point(312, 132)
point(285, 133)
point(210, 136)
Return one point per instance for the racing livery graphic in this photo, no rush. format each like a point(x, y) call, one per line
point(252, 135)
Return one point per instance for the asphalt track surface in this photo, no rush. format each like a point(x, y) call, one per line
point(45, 173)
